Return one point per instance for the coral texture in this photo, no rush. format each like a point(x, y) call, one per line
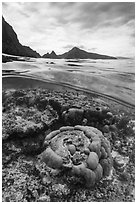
point(83, 150)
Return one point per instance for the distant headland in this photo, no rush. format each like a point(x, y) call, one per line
point(76, 53)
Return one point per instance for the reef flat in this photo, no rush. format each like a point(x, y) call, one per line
point(35, 120)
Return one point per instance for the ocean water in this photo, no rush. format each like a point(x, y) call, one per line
point(115, 78)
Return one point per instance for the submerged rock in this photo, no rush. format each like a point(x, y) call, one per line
point(113, 128)
point(120, 162)
point(25, 115)
point(105, 129)
point(73, 116)
point(83, 150)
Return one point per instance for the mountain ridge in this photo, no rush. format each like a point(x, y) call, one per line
point(11, 44)
point(51, 55)
point(77, 53)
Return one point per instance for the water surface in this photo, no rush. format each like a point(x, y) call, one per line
point(111, 77)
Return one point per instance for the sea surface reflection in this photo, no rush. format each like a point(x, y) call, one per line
point(111, 77)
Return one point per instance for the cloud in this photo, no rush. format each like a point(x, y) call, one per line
point(104, 14)
point(4, 4)
point(107, 27)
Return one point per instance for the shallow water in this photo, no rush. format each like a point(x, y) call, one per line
point(111, 77)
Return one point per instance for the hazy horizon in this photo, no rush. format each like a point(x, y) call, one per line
point(106, 28)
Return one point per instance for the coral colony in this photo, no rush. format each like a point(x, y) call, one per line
point(81, 149)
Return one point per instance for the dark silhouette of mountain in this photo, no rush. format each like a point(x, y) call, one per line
point(52, 55)
point(11, 44)
point(76, 53)
point(47, 55)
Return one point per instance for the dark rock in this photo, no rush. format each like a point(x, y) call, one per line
point(56, 105)
point(91, 114)
point(113, 128)
point(76, 53)
point(52, 55)
point(73, 116)
point(124, 176)
point(11, 44)
point(105, 129)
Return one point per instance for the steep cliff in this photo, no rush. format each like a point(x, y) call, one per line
point(11, 44)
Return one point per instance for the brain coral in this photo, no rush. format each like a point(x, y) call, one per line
point(82, 149)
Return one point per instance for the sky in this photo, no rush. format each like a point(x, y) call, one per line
point(99, 27)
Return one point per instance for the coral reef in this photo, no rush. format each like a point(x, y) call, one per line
point(70, 132)
point(67, 147)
